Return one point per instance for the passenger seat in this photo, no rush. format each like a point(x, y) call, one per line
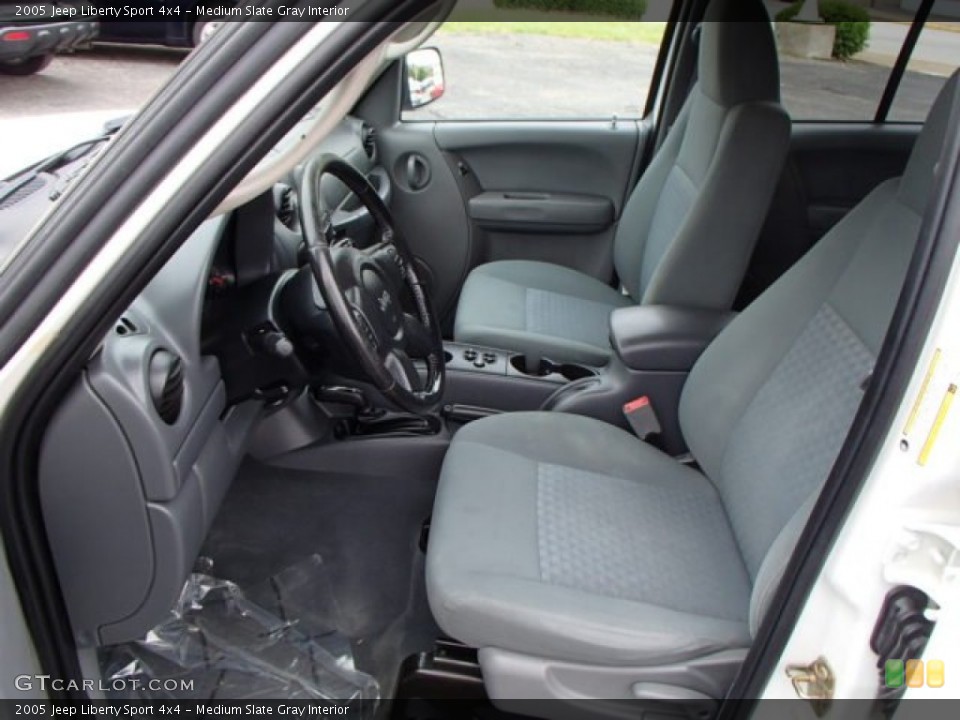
point(686, 233)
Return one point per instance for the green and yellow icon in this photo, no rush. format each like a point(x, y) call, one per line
point(897, 673)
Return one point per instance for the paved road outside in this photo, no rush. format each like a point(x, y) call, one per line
point(534, 76)
point(936, 49)
point(72, 99)
point(110, 76)
point(488, 76)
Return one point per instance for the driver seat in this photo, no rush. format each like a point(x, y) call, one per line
point(582, 562)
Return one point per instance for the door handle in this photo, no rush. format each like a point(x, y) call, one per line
point(418, 172)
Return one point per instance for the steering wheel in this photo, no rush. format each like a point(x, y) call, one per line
point(375, 295)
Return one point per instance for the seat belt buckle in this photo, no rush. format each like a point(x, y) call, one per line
point(642, 417)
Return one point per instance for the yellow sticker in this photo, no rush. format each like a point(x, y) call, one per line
point(937, 424)
point(914, 673)
point(924, 387)
point(935, 673)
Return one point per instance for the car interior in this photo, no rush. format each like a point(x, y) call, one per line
point(543, 406)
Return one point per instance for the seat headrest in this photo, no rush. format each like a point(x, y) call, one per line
point(917, 180)
point(738, 53)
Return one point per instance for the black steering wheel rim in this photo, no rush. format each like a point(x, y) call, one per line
point(364, 290)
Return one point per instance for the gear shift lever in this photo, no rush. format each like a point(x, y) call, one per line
point(354, 397)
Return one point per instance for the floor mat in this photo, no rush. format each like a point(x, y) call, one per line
point(366, 527)
point(279, 639)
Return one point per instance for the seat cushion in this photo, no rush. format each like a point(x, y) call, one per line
point(560, 536)
point(536, 307)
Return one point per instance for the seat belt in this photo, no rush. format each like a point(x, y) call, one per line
point(642, 417)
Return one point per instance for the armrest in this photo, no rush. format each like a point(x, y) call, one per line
point(553, 212)
point(664, 337)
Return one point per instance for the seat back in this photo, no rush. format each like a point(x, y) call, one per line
point(769, 404)
point(690, 225)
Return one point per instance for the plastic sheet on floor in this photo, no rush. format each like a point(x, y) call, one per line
point(277, 640)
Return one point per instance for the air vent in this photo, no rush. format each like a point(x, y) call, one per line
point(166, 385)
point(286, 204)
point(126, 326)
point(369, 138)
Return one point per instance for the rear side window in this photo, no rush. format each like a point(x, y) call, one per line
point(824, 90)
point(935, 58)
point(837, 58)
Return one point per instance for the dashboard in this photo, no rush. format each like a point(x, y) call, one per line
point(167, 406)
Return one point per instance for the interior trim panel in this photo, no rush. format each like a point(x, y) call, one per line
point(128, 503)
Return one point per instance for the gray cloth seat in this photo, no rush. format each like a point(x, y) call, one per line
point(567, 545)
point(688, 229)
point(559, 539)
point(532, 306)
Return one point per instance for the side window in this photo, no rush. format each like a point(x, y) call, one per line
point(506, 70)
point(935, 57)
point(819, 90)
point(837, 57)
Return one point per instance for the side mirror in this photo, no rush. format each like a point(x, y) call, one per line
point(424, 72)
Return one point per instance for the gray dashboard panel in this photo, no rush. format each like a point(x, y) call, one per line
point(127, 497)
point(128, 500)
point(94, 508)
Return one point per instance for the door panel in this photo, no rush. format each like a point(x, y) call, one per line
point(429, 208)
point(838, 165)
point(563, 185)
point(474, 192)
point(831, 167)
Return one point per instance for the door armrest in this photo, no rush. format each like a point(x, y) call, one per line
point(541, 212)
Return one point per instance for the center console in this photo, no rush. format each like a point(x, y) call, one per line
point(654, 349)
point(482, 380)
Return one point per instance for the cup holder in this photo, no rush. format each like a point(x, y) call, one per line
point(574, 372)
point(519, 363)
point(568, 371)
